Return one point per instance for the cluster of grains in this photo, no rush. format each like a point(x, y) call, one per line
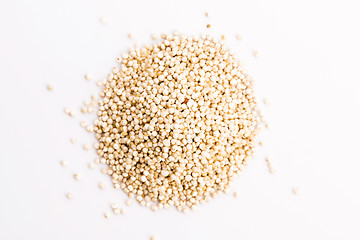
point(177, 122)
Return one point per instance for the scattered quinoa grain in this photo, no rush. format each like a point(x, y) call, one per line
point(256, 53)
point(238, 37)
point(69, 196)
point(74, 140)
point(102, 185)
point(266, 101)
point(99, 83)
point(89, 128)
point(103, 20)
point(128, 202)
point(83, 123)
point(116, 211)
point(50, 87)
point(86, 147)
point(296, 191)
point(236, 194)
point(208, 26)
point(91, 165)
point(106, 215)
point(77, 176)
point(223, 37)
point(131, 36)
point(63, 163)
point(84, 109)
point(207, 14)
point(154, 37)
point(153, 238)
point(87, 77)
point(122, 211)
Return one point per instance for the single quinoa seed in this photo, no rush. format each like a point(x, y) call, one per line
point(102, 185)
point(256, 53)
point(86, 147)
point(208, 26)
point(103, 20)
point(69, 196)
point(236, 194)
point(77, 176)
point(50, 87)
point(87, 77)
point(176, 122)
point(63, 163)
point(238, 37)
point(296, 191)
point(266, 101)
point(83, 124)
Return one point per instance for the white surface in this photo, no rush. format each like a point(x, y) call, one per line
point(308, 68)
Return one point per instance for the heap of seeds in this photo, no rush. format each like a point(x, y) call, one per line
point(176, 122)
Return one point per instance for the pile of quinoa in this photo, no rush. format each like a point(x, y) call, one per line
point(177, 122)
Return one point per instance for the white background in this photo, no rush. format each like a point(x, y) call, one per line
point(308, 68)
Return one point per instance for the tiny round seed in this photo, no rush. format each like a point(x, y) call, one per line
point(84, 109)
point(128, 202)
point(106, 215)
point(122, 211)
point(296, 191)
point(236, 194)
point(256, 53)
point(238, 37)
point(131, 36)
point(89, 128)
point(63, 163)
point(99, 83)
point(69, 196)
point(102, 185)
point(266, 101)
point(154, 37)
point(74, 140)
point(153, 238)
point(87, 77)
point(103, 20)
point(77, 176)
point(86, 147)
point(272, 170)
point(116, 211)
point(50, 87)
point(208, 26)
point(83, 123)
point(91, 165)
point(207, 14)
